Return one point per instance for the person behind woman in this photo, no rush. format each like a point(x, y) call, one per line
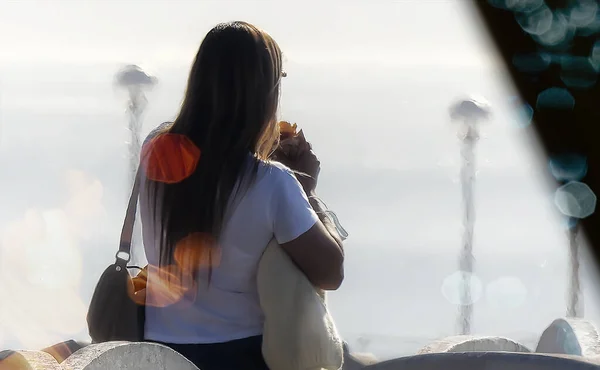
point(235, 201)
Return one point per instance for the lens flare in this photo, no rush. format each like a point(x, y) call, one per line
point(575, 199)
point(452, 288)
point(170, 158)
point(41, 267)
point(532, 62)
point(537, 22)
point(555, 98)
point(505, 293)
point(578, 72)
point(84, 206)
point(63, 350)
point(568, 167)
point(197, 250)
point(163, 286)
point(583, 13)
point(168, 285)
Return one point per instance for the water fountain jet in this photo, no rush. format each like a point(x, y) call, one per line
point(574, 294)
point(133, 79)
point(469, 113)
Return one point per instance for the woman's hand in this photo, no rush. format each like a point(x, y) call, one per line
point(297, 154)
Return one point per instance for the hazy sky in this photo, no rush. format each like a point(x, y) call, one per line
point(168, 32)
point(376, 76)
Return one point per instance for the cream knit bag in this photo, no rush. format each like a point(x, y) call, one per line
point(299, 333)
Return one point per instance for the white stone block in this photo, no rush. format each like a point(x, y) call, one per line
point(127, 356)
point(485, 361)
point(102, 356)
point(28, 360)
point(469, 343)
point(570, 336)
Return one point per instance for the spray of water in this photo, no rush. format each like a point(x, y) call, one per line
point(135, 109)
point(136, 105)
point(466, 259)
point(136, 81)
point(574, 296)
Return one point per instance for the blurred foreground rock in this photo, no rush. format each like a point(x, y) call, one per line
point(64, 350)
point(28, 360)
point(103, 356)
point(570, 336)
point(355, 361)
point(469, 343)
point(485, 361)
point(571, 344)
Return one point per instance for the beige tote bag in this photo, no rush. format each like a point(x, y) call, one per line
point(299, 333)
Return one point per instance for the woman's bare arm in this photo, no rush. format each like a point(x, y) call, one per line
point(319, 252)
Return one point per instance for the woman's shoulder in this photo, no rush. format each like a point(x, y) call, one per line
point(275, 171)
point(277, 179)
point(159, 129)
point(271, 175)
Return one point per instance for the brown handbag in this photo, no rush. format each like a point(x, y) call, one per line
point(117, 310)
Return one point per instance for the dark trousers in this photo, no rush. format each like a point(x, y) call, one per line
point(240, 354)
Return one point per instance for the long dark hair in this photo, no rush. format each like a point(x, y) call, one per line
point(229, 113)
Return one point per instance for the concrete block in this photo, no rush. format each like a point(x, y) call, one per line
point(127, 356)
point(570, 336)
point(27, 360)
point(102, 356)
point(469, 343)
point(485, 361)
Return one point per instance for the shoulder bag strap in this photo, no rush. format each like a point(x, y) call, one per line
point(124, 253)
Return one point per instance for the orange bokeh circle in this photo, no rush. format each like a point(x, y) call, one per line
point(170, 158)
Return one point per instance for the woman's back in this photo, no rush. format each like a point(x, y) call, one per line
point(227, 307)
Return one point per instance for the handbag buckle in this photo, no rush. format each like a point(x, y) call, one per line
point(123, 256)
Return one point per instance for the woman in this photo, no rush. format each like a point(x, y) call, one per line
point(231, 205)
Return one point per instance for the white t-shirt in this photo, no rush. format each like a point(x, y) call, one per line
point(275, 205)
